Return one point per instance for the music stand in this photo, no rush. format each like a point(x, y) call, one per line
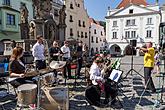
point(132, 69)
point(115, 77)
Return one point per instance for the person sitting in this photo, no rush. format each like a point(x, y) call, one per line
point(17, 69)
point(99, 82)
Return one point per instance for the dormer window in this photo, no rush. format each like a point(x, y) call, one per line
point(131, 11)
point(71, 6)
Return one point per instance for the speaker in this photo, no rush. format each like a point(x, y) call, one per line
point(133, 43)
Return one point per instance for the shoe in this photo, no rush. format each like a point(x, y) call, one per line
point(113, 101)
point(106, 101)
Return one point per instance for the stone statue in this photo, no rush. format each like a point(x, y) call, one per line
point(62, 16)
point(24, 14)
point(32, 29)
point(42, 8)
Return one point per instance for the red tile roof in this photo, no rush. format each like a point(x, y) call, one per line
point(125, 3)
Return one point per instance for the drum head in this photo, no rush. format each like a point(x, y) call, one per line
point(26, 87)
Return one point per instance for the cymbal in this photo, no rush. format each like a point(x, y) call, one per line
point(57, 64)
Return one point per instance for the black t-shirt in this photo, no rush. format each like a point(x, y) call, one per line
point(79, 51)
point(54, 50)
point(16, 67)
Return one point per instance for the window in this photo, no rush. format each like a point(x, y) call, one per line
point(83, 23)
point(78, 5)
point(55, 12)
point(71, 6)
point(149, 34)
point(114, 23)
point(95, 31)
point(71, 18)
point(100, 40)
point(130, 22)
point(10, 19)
point(78, 35)
point(133, 22)
point(79, 23)
point(6, 2)
point(133, 34)
point(131, 11)
point(97, 40)
point(114, 35)
point(101, 33)
point(71, 32)
point(86, 35)
point(92, 39)
point(82, 35)
point(149, 20)
point(127, 34)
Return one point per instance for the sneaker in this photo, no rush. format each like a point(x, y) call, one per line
point(32, 106)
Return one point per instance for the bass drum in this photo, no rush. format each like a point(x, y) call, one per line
point(92, 95)
point(55, 98)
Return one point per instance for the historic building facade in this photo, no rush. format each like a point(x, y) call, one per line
point(97, 36)
point(134, 20)
point(10, 18)
point(77, 21)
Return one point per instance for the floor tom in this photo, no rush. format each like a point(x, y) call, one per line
point(27, 94)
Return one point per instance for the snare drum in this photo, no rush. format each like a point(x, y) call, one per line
point(27, 94)
point(49, 78)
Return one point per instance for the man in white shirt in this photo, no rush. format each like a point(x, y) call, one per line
point(38, 52)
point(98, 80)
point(66, 57)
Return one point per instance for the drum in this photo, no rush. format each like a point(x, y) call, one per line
point(49, 78)
point(27, 94)
point(31, 73)
point(92, 95)
point(55, 98)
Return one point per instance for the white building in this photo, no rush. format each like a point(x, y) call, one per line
point(132, 21)
point(97, 36)
point(77, 21)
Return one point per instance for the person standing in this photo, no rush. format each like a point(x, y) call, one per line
point(149, 52)
point(66, 57)
point(55, 51)
point(79, 58)
point(38, 52)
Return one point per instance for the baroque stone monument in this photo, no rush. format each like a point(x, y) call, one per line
point(24, 27)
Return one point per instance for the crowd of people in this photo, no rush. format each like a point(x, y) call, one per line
point(98, 81)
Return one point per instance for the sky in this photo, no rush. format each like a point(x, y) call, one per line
point(97, 8)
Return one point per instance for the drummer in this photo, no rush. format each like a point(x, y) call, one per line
point(17, 69)
point(55, 53)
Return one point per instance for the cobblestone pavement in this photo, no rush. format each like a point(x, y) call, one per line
point(130, 91)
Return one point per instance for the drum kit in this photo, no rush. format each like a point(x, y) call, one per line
point(45, 96)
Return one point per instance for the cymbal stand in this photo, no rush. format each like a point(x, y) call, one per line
point(38, 90)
